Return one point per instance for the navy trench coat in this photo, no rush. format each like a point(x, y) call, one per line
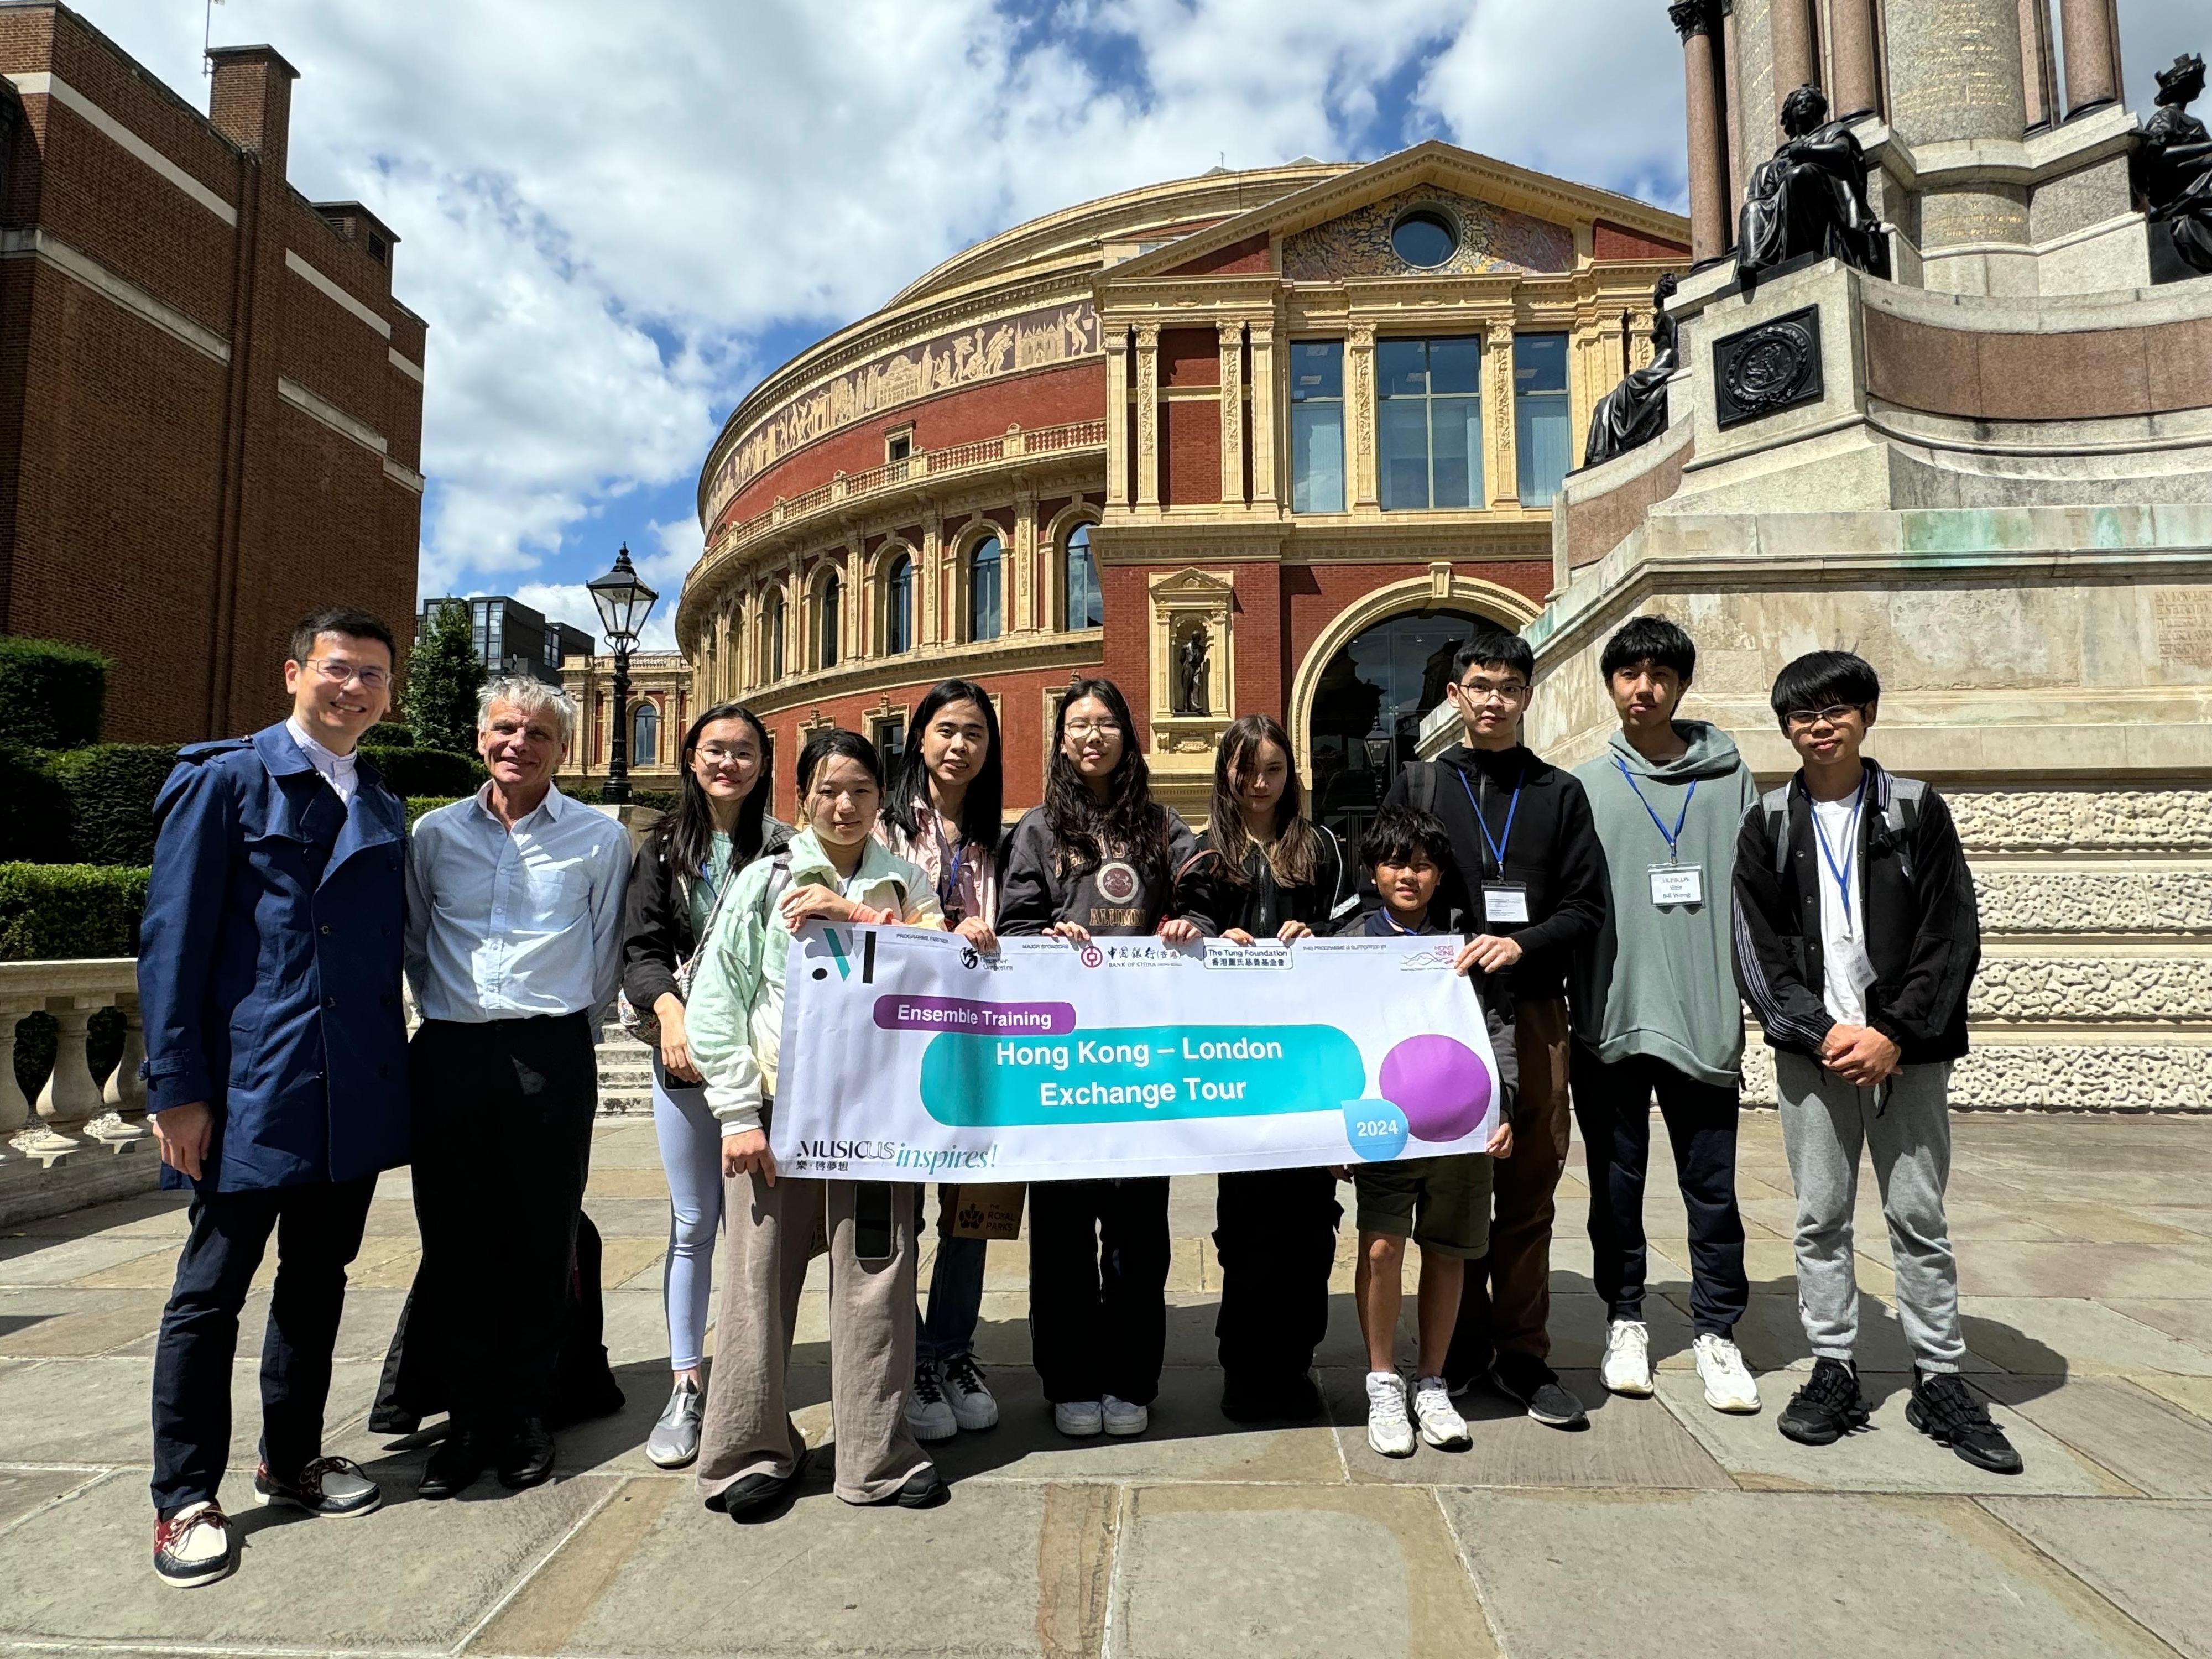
point(269, 965)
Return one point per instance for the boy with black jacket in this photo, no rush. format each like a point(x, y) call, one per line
point(1856, 938)
point(1530, 890)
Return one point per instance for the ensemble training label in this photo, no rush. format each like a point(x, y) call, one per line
point(1076, 1067)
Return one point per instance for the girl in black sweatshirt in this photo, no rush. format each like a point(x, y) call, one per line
point(1100, 858)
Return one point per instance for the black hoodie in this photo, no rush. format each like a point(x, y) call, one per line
point(1119, 899)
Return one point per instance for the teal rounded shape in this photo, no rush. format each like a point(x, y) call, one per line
point(1376, 1129)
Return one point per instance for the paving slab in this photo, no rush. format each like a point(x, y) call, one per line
point(655, 1572)
point(1209, 1572)
point(42, 1259)
point(1807, 1577)
point(411, 1574)
point(159, 1215)
point(2155, 1446)
point(26, 1491)
point(1772, 1335)
point(2053, 1336)
point(2131, 1553)
point(1629, 1444)
point(1887, 1455)
point(2190, 1320)
point(2193, 1394)
point(74, 1324)
point(2101, 1271)
point(95, 1413)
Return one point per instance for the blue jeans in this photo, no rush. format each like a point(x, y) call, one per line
point(691, 1157)
point(956, 1291)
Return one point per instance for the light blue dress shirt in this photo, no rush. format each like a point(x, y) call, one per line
point(507, 924)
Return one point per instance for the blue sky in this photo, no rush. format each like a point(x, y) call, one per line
point(614, 232)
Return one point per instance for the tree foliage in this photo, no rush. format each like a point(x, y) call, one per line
point(443, 679)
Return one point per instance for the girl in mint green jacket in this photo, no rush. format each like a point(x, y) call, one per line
point(750, 1454)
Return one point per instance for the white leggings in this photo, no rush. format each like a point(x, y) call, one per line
point(691, 1154)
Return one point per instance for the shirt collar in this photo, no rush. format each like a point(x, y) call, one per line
point(324, 758)
point(552, 805)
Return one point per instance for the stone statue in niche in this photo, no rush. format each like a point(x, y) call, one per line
point(1192, 671)
point(1634, 412)
point(2173, 169)
point(1811, 197)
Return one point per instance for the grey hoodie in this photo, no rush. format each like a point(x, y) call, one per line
point(1661, 982)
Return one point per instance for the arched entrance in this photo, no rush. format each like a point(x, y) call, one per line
point(1368, 706)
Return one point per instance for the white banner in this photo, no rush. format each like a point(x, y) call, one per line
point(909, 1056)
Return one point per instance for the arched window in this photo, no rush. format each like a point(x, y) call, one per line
point(1086, 605)
point(984, 569)
point(1368, 710)
point(832, 606)
point(644, 733)
point(775, 626)
point(898, 607)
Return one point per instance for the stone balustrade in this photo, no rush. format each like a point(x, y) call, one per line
point(62, 1149)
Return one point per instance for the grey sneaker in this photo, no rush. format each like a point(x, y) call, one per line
point(674, 1441)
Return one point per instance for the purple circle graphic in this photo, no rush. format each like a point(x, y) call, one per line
point(1440, 1083)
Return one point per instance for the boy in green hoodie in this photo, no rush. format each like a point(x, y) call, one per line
point(1656, 1010)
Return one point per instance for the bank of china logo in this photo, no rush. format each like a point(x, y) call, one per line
point(1118, 882)
point(848, 950)
point(1092, 956)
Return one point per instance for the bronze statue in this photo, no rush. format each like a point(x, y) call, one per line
point(1634, 412)
point(1811, 197)
point(2173, 169)
point(1190, 674)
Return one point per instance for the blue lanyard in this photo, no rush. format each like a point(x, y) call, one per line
point(1497, 844)
point(1841, 873)
point(1674, 839)
point(951, 858)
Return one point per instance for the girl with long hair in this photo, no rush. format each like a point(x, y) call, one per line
point(750, 1454)
point(1099, 858)
point(942, 814)
point(683, 867)
point(1271, 873)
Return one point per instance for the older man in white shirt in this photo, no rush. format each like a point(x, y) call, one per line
point(514, 899)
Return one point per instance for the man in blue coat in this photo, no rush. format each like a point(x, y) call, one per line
point(268, 971)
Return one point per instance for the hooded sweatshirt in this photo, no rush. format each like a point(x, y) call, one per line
point(1660, 980)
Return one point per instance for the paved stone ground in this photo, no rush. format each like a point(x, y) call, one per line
point(2086, 1257)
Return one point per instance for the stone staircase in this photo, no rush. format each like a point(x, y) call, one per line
point(625, 1073)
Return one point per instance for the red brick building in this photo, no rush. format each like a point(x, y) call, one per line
point(1312, 417)
point(210, 405)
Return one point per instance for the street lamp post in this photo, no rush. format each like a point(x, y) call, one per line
point(624, 603)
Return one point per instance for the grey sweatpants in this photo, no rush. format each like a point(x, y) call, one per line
point(1824, 1122)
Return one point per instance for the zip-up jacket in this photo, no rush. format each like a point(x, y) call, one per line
point(1260, 904)
point(1922, 930)
point(1114, 898)
point(656, 915)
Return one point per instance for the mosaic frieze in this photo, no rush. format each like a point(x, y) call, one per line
point(1492, 239)
point(1034, 339)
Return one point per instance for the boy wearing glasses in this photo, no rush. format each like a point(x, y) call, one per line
point(276, 1073)
point(1529, 882)
point(1856, 938)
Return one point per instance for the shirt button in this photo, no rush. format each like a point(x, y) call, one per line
point(329, 1002)
point(324, 930)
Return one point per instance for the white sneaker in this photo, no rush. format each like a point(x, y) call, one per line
point(1123, 1418)
point(972, 1404)
point(1729, 1383)
point(1389, 1430)
point(1077, 1418)
point(1441, 1426)
point(193, 1547)
point(1627, 1366)
point(928, 1413)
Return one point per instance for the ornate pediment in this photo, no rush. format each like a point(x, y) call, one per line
point(1189, 586)
point(1490, 239)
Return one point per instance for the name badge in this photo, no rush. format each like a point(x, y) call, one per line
point(1677, 884)
point(1504, 901)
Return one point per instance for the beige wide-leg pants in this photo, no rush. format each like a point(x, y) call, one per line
point(770, 1233)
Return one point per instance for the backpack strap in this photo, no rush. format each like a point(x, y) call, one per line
point(1775, 803)
point(1901, 817)
point(1421, 786)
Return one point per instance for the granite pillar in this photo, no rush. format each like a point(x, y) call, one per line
point(2092, 54)
point(1709, 207)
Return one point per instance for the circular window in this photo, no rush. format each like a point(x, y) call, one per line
point(1425, 238)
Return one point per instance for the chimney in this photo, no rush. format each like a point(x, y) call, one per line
point(251, 102)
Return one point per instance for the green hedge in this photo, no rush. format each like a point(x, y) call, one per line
point(389, 734)
point(53, 911)
point(34, 809)
point(50, 694)
point(418, 804)
point(410, 772)
point(663, 801)
point(110, 790)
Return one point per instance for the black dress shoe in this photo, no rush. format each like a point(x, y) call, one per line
point(528, 1459)
point(460, 1457)
point(925, 1489)
point(746, 1497)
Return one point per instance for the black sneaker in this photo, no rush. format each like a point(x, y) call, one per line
point(1529, 1383)
point(1827, 1407)
point(750, 1496)
point(925, 1489)
point(1951, 1414)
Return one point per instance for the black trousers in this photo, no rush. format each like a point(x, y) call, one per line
point(1612, 1104)
point(1098, 1275)
point(1274, 1232)
point(502, 1146)
point(317, 1231)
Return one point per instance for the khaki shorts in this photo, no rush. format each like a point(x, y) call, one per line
point(1442, 1203)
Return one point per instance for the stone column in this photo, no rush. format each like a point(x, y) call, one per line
point(1701, 100)
point(1359, 414)
point(1858, 79)
point(71, 1097)
point(1232, 413)
point(2037, 74)
point(2092, 63)
point(1021, 602)
point(1955, 74)
point(1262, 427)
point(1148, 416)
point(853, 624)
point(930, 625)
point(1118, 417)
point(1732, 84)
point(1506, 481)
point(1792, 33)
point(124, 1094)
point(15, 1107)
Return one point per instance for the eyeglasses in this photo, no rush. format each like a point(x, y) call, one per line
point(1804, 720)
point(338, 671)
point(1089, 728)
point(714, 755)
point(1479, 691)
